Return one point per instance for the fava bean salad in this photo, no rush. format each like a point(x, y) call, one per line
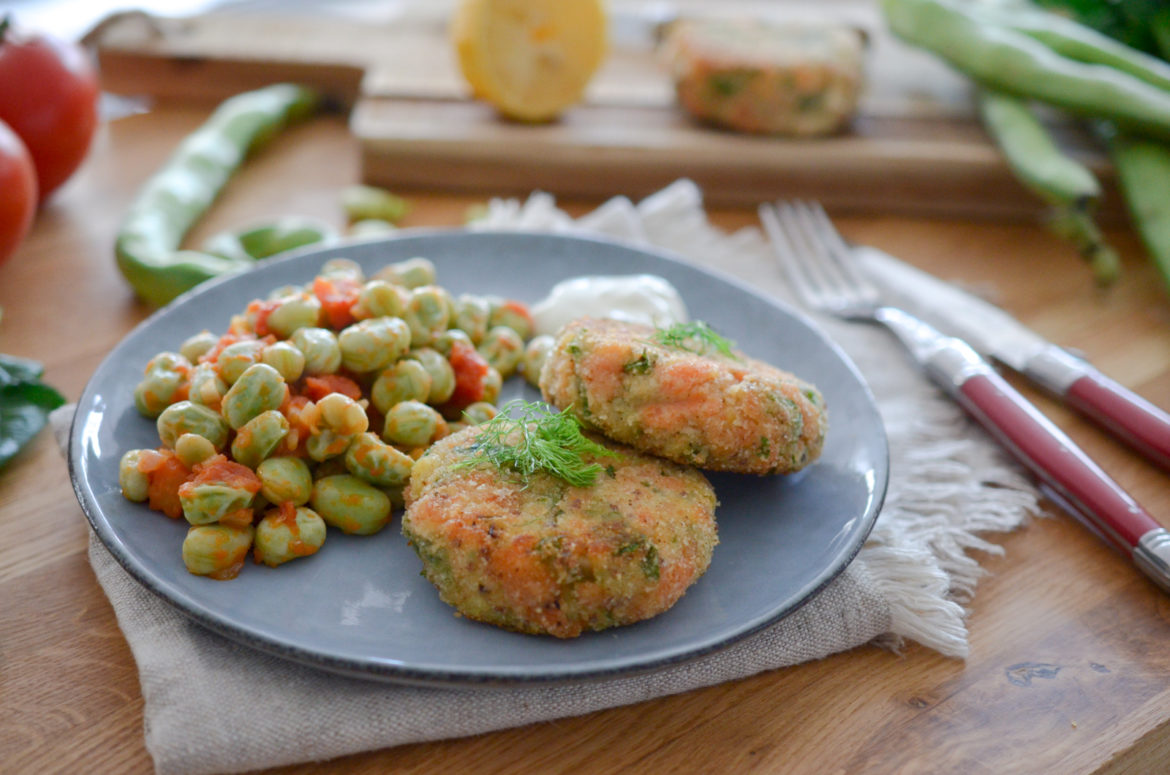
point(309, 412)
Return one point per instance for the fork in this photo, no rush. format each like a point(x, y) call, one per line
point(822, 270)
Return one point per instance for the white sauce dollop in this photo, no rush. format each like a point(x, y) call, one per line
point(639, 298)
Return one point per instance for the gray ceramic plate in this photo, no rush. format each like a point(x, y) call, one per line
point(360, 606)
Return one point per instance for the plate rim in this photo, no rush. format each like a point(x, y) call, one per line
point(388, 671)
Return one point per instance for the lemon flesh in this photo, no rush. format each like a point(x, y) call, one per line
point(531, 59)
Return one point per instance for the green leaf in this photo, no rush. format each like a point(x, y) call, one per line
point(25, 404)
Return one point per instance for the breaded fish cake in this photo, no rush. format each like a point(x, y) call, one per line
point(542, 556)
point(801, 79)
point(723, 412)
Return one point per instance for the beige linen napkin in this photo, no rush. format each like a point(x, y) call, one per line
point(213, 706)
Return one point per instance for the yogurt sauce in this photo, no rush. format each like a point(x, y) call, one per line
point(640, 298)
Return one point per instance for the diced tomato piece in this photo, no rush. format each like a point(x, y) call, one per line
point(165, 474)
point(300, 426)
point(260, 310)
point(320, 386)
point(213, 353)
point(337, 296)
point(470, 369)
point(217, 469)
point(521, 309)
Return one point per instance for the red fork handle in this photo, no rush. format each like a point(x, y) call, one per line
point(1056, 460)
point(1124, 413)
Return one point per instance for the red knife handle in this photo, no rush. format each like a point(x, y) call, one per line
point(1056, 460)
point(1125, 414)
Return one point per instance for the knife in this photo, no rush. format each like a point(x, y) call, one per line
point(994, 333)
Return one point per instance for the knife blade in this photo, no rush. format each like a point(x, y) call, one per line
point(996, 334)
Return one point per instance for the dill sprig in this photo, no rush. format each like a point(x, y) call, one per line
point(528, 437)
point(696, 337)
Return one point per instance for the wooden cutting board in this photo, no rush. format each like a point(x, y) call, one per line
point(915, 147)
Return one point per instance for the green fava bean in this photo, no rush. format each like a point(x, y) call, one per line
point(361, 203)
point(411, 273)
point(503, 348)
point(280, 539)
point(369, 228)
point(157, 391)
point(446, 340)
point(237, 357)
point(193, 449)
point(348, 503)
point(187, 417)
point(343, 268)
point(427, 314)
point(257, 439)
point(285, 479)
point(206, 387)
point(493, 383)
point(411, 424)
point(407, 380)
point(372, 345)
point(135, 484)
point(168, 361)
point(198, 345)
point(283, 234)
point(340, 419)
point(535, 354)
point(159, 388)
point(479, 413)
point(258, 390)
point(294, 312)
point(513, 315)
point(217, 551)
point(319, 346)
point(208, 503)
point(380, 299)
point(286, 359)
point(471, 315)
point(442, 375)
point(380, 464)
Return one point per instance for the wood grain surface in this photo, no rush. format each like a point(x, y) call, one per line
point(915, 146)
point(1069, 665)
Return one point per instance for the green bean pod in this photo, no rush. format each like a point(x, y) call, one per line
point(1143, 172)
point(1064, 183)
point(1002, 58)
point(174, 199)
point(1080, 42)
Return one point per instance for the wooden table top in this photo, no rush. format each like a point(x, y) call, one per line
point(69, 695)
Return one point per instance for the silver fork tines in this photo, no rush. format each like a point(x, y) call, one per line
point(816, 260)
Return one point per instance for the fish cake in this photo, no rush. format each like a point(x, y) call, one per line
point(801, 79)
point(718, 411)
point(542, 556)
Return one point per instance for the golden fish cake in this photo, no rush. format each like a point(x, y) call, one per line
point(689, 402)
point(539, 555)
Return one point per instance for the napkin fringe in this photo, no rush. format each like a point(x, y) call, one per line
point(915, 587)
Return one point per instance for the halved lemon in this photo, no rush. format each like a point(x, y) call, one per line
point(529, 58)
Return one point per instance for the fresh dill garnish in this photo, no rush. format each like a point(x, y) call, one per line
point(644, 364)
point(696, 337)
point(527, 437)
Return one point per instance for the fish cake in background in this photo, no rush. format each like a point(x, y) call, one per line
point(800, 78)
point(683, 394)
point(537, 554)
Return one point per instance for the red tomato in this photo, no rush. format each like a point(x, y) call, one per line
point(18, 191)
point(470, 369)
point(48, 95)
point(337, 296)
